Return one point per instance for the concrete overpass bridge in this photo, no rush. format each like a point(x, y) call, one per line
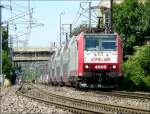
point(32, 54)
point(33, 60)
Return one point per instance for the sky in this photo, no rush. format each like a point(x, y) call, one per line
point(47, 13)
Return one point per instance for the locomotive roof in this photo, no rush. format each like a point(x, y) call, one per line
point(102, 34)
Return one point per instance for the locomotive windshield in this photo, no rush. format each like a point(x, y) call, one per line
point(98, 43)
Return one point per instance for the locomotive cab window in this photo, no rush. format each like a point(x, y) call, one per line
point(91, 44)
point(108, 44)
point(100, 42)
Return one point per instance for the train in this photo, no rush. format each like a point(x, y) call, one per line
point(89, 60)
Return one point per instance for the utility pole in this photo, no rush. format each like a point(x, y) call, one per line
point(60, 25)
point(70, 27)
point(70, 30)
point(111, 15)
point(1, 42)
point(60, 30)
point(89, 16)
point(66, 37)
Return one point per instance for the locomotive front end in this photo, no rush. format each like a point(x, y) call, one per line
point(102, 60)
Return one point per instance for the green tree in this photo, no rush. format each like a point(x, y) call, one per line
point(5, 39)
point(132, 20)
point(6, 66)
point(79, 29)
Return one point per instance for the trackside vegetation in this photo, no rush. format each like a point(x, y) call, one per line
point(131, 19)
point(8, 69)
point(137, 69)
point(7, 65)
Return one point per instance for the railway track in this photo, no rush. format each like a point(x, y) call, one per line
point(77, 105)
point(136, 95)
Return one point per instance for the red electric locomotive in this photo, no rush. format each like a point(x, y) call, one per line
point(91, 60)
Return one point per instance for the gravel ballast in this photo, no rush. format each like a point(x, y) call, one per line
point(11, 103)
point(95, 97)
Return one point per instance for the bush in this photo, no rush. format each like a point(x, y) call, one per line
point(147, 82)
point(137, 68)
point(7, 67)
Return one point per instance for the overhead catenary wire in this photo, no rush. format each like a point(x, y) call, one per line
point(74, 20)
point(87, 11)
point(19, 6)
point(95, 13)
point(88, 17)
point(20, 16)
point(12, 12)
point(80, 13)
point(10, 8)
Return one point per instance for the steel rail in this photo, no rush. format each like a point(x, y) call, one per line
point(77, 110)
point(86, 105)
point(126, 94)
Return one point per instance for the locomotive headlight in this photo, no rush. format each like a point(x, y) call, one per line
point(114, 66)
point(101, 67)
point(86, 66)
point(104, 66)
point(80, 74)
